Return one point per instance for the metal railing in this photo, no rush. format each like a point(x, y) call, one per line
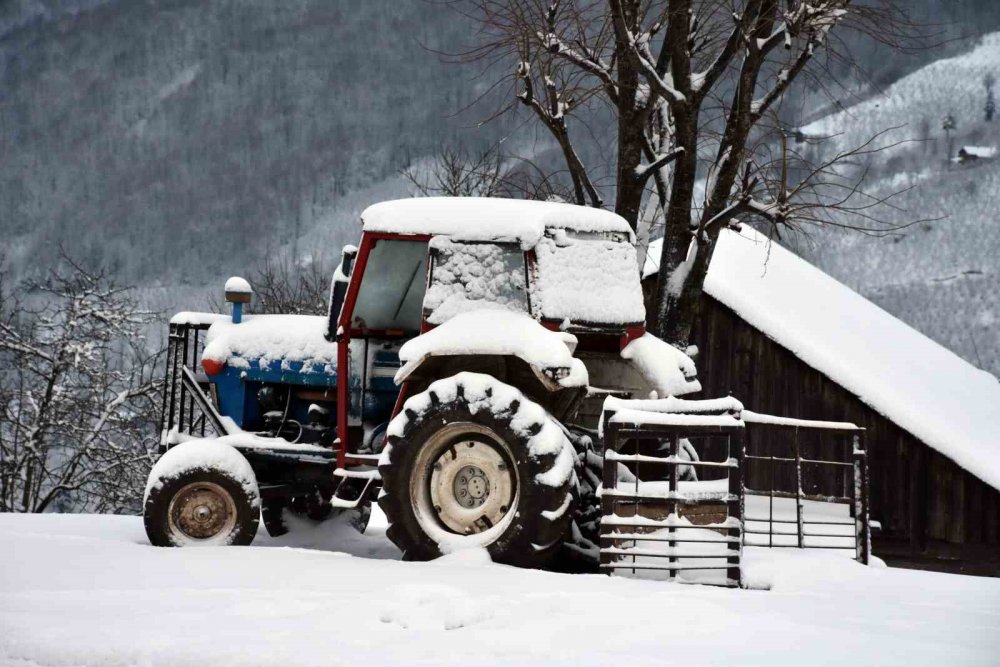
point(185, 407)
point(637, 513)
point(839, 479)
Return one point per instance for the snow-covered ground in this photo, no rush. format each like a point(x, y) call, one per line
point(89, 590)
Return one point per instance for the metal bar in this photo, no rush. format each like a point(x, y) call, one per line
point(836, 500)
point(671, 554)
point(675, 453)
point(661, 566)
point(669, 460)
point(651, 537)
point(172, 375)
point(861, 490)
point(770, 506)
point(846, 536)
point(194, 353)
point(841, 430)
point(795, 546)
point(807, 522)
point(697, 497)
point(206, 407)
point(735, 476)
point(798, 487)
point(781, 459)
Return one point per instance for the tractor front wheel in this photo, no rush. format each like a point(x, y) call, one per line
point(201, 493)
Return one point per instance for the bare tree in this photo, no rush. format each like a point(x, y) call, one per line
point(693, 86)
point(281, 286)
point(487, 173)
point(78, 395)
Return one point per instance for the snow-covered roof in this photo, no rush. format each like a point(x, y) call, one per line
point(487, 218)
point(919, 385)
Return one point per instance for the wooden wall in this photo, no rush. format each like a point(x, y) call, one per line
point(933, 514)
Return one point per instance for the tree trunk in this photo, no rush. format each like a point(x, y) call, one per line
point(667, 321)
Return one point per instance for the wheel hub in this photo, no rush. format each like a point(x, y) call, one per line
point(471, 486)
point(201, 511)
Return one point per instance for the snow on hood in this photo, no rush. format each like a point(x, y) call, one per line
point(497, 332)
point(487, 218)
point(269, 338)
point(919, 385)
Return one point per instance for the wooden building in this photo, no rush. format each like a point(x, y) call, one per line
point(786, 339)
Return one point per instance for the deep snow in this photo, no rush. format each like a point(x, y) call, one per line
point(88, 590)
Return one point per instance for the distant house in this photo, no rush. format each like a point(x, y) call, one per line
point(785, 338)
point(975, 153)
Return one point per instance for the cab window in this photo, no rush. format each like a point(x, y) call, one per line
point(392, 287)
point(470, 276)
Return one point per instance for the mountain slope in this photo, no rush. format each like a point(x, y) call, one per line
point(942, 275)
point(166, 139)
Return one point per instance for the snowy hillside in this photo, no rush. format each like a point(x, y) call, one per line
point(180, 139)
point(89, 590)
point(948, 86)
point(940, 276)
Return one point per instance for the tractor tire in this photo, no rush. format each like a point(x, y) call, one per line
point(201, 493)
point(580, 552)
point(272, 515)
point(471, 461)
point(312, 505)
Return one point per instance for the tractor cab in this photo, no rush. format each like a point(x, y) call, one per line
point(421, 262)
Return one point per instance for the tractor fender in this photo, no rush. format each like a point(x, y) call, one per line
point(499, 334)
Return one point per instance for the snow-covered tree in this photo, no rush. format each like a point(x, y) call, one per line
point(949, 125)
point(78, 395)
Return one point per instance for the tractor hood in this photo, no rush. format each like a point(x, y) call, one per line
point(263, 342)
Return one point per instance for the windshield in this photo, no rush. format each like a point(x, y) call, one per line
point(392, 287)
point(470, 276)
point(587, 279)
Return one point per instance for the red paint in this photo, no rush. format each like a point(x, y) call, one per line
point(368, 241)
point(632, 332)
point(400, 399)
point(211, 366)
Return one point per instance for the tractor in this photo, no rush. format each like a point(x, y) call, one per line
point(457, 379)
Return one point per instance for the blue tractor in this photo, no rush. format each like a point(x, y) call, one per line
point(458, 378)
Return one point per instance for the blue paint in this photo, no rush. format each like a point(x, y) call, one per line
point(237, 312)
point(237, 388)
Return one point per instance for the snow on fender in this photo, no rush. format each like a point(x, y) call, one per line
point(201, 492)
point(667, 369)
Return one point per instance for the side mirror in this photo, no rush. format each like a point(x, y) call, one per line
point(338, 288)
point(238, 292)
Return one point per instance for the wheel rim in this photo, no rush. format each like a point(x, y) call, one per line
point(465, 481)
point(201, 512)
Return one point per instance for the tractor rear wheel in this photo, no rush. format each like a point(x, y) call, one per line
point(471, 461)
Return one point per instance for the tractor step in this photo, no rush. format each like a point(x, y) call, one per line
point(371, 480)
point(357, 474)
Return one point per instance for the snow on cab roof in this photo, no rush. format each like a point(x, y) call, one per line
point(487, 218)
point(919, 385)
